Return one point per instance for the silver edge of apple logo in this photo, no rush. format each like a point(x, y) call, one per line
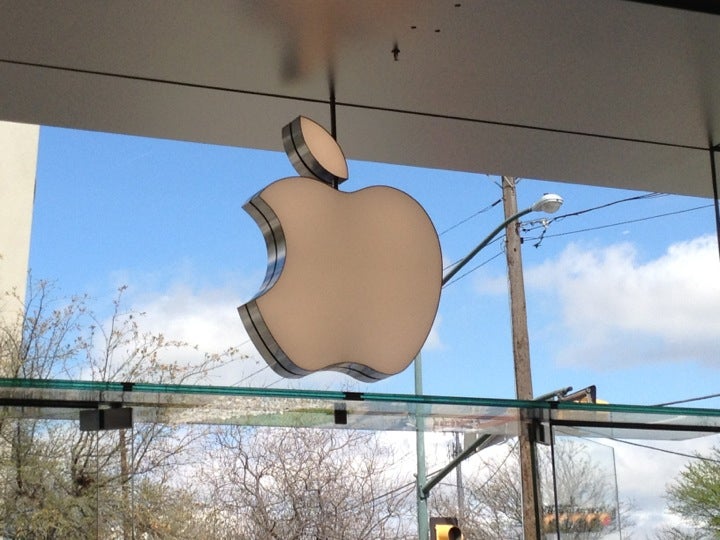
point(302, 159)
point(274, 236)
point(279, 362)
point(265, 343)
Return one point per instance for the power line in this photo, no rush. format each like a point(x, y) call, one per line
point(471, 216)
point(408, 487)
point(572, 214)
point(687, 400)
point(663, 450)
point(279, 379)
point(458, 260)
point(612, 203)
point(544, 221)
point(471, 270)
point(401, 489)
point(251, 375)
point(412, 483)
point(547, 222)
point(499, 466)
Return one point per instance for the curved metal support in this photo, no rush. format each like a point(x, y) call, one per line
point(484, 243)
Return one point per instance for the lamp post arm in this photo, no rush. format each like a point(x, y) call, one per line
point(480, 443)
point(447, 277)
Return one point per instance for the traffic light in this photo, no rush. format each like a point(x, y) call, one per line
point(445, 528)
point(576, 520)
point(586, 395)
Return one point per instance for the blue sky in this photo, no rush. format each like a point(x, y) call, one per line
point(633, 308)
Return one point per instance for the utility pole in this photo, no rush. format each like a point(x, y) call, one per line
point(550, 202)
point(521, 362)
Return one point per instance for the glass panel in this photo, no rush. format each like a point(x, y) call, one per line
point(647, 474)
point(579, 490)
point(201, 463)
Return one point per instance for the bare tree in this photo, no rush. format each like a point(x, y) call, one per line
point(301, 484)
point(63, 483)
point(585, 495)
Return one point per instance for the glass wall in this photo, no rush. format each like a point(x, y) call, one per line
point(102, 460)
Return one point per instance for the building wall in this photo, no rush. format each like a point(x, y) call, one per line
point(18, 164)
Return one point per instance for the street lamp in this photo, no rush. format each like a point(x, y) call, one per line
point(548, 203)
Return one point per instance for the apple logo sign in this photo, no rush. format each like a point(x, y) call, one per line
point(353, 278)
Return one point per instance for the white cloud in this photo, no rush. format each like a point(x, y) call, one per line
point(206, 319)
point(615, 306)
point(433, 341)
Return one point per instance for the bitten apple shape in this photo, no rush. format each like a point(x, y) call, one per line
point(353, 279)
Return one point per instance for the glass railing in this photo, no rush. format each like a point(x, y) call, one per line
point(229, 462)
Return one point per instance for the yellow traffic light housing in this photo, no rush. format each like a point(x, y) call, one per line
point(448, 532)
point(445, 528)
point(586, 395)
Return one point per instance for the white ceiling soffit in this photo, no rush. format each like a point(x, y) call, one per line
point(608, 92)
